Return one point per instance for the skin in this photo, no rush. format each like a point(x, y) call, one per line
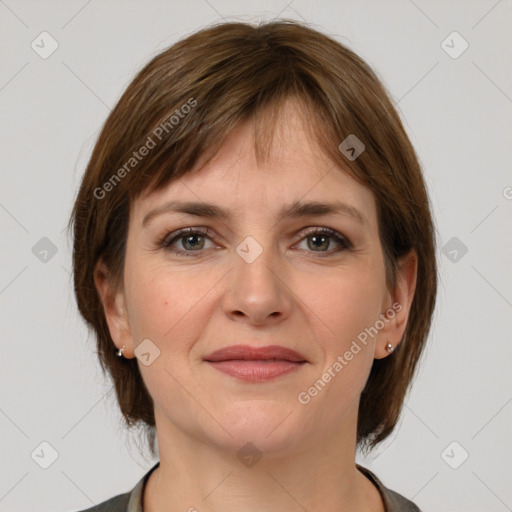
point(313, 298)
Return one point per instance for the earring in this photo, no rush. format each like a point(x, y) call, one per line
point(119, 353)
point(389, 347)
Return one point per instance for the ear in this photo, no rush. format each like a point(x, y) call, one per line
point(398, 305)
point(114, 308)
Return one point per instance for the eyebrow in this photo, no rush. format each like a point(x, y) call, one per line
point(295, 210)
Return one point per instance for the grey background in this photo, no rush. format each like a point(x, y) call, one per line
point(457, 112)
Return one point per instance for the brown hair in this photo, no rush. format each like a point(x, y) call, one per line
point(228, 73)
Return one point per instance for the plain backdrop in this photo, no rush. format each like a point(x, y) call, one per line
point(453, 448)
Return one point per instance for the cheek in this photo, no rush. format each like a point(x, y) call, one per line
point(351, 302)
point(166, 305)
point(350, 306)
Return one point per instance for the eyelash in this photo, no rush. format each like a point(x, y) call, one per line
point(167, 241)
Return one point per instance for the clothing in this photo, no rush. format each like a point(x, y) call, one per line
point(132, 500)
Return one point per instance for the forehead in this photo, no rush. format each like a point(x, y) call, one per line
point(296, 169)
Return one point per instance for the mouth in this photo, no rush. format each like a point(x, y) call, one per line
point(256, 364)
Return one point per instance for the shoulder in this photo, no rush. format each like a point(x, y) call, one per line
point(128, 502)
point(396, 502)
point(118, 503)
point(393, 501)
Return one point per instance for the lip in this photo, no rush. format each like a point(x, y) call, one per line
point(256, 364)
point(248, 353)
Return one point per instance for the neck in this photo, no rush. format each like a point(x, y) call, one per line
point(194, 476)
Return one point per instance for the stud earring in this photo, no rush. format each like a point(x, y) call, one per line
point(119, 353)
point(389, 347)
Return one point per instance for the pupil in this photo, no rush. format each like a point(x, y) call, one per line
point(192, 237)
point(315, 238)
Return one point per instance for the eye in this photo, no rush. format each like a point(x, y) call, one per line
point(190, 240)
point(322, 238)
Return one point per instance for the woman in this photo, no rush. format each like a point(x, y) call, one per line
point(254, 250)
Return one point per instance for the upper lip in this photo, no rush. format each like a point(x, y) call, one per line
point(249, 353)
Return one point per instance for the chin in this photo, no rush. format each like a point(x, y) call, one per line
point(269, 426)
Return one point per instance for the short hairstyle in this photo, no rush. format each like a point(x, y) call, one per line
point(183, 104)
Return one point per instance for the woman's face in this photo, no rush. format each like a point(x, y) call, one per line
point(257, 279)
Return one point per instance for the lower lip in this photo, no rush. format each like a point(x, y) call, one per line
point(255, 371)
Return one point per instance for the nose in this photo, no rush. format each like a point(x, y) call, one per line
point(257, 291)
